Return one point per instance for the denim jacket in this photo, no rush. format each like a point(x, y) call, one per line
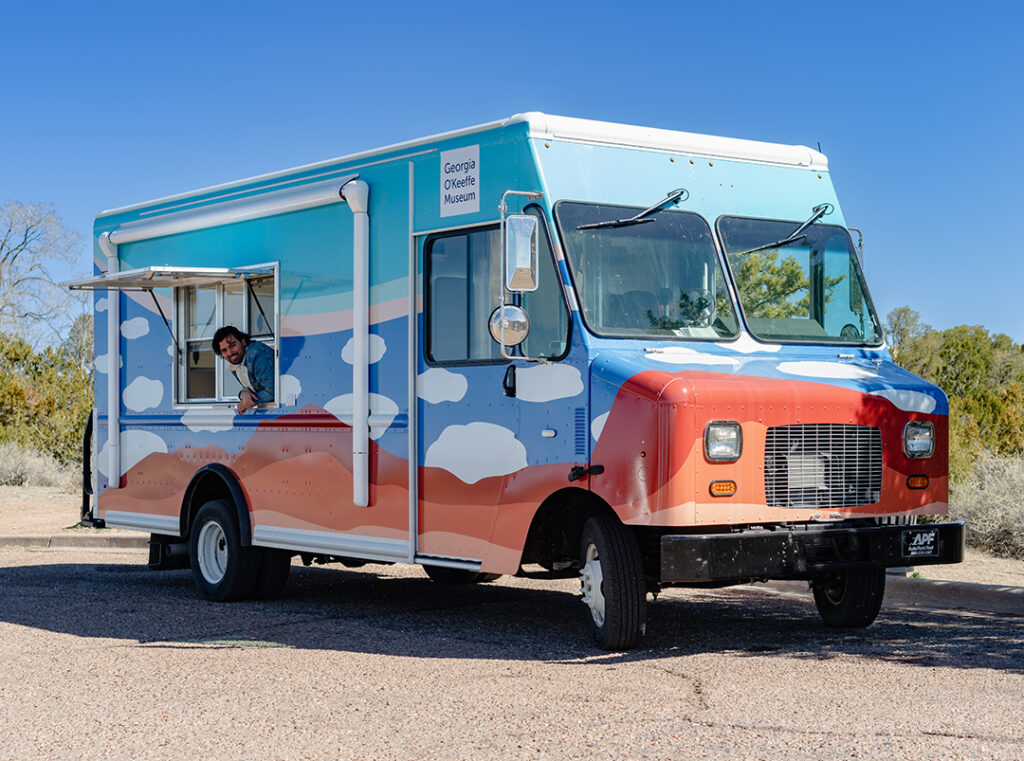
point(256, 373)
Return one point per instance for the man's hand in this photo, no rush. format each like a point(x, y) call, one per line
point(246, 401)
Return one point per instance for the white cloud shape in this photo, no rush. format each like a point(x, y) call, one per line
point(170, 350)
point(547, 382)
point(438, 385)
point(290, 386)
point(102, 304)
point(906, 400)
point(747, 345)
point(680, 355)
point(102, 360)
point(211, 419)
point(382, 411)
point(135, 447)
point(827, 370)
point(377, 348)
point(598, 425)
point(136, 327)
point(143, 393)
point(476, 451)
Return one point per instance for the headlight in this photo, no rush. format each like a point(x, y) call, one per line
point(723, 441)
point(918, 439)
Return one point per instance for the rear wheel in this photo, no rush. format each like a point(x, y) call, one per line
point(850, 599)
point(222, 568)
point(443, 575)
point(612, 583)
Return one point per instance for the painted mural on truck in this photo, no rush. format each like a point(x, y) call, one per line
point(636, 404)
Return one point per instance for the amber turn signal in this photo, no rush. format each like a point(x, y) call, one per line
point(723, 488)
point(917, 482)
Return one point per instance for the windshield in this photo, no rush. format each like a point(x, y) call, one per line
point(661, 278)
point(809, 288)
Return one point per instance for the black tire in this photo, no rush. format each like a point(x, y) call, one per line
point(850, 599)
point(222, 568)
point(452, 576)
point(273, 567)
point(612, 583)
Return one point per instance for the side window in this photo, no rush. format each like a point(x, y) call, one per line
point(463, 277)
point(200, 323)
point(202, 309)
point(463, 288)
point(549, 317)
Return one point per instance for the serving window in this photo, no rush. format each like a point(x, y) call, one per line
point(204, 299)
point(247, 304)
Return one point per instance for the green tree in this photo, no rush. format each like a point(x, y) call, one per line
point(770, 287)
point(967, 354)
point(903, 327)
point(776, 289)
point(45, 398)
point(982, 374)
point(79, 341)
point(914, 344)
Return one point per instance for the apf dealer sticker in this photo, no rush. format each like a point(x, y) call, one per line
point(460, 181)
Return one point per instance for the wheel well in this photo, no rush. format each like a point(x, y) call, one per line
point(554, 535)
point(216, 482)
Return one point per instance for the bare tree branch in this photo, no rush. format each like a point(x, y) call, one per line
point(36, 253)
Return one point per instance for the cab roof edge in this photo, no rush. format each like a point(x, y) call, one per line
point(546, 126)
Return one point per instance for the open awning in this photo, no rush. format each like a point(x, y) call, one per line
point(167, 276)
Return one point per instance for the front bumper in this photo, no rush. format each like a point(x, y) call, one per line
point(804, 554)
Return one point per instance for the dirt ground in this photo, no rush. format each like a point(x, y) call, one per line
point(45, 510)
point(39, 510)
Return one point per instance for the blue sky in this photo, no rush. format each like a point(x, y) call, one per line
point(919, 106)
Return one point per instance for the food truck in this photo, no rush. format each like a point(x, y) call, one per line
point(640, 357)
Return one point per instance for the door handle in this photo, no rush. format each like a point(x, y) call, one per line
point(508, 383)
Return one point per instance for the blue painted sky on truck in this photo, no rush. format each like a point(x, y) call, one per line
point(918, 107)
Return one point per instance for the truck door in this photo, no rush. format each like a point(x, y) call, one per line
point(482, 418)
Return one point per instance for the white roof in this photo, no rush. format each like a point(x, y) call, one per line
point(566, 128)
point(545, 126)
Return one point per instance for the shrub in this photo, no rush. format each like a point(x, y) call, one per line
point(45, 399)
point(990, 500)
point(23, 467)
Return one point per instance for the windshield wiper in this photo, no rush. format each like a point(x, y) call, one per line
point(817, 213)
point(674, 197)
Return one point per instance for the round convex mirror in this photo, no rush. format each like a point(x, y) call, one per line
point(513, 320)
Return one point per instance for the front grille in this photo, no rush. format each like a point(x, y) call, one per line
point(822, 465)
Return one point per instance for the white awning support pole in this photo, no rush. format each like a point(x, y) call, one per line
point(113, 368)
point(357, 194)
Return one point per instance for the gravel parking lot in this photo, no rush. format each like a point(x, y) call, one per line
point(104, 659)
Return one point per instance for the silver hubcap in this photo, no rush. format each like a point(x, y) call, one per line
point(592, 585)
point(212, 552)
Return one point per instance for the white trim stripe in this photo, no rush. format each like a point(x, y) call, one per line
point(156, 524)
point(347, 545)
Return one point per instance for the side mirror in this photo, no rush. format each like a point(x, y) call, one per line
point(520, 253)
point(509, 325)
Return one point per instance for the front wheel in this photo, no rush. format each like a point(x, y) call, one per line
point(850, 599)
point(222, 568)
point(612, 583)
